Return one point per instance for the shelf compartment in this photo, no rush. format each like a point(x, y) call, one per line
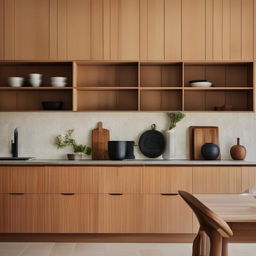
point(238, 74)
point(160, 88)
point(104, 88)
point(31, 100)
point(161, 100)
point(111, 74)
point(108, 100)
point(41, 88)
point(241, 100)
point(217, 88)
point(161, 74)
point(47, 69)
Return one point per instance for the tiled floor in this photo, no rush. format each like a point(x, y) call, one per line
point(108, 249)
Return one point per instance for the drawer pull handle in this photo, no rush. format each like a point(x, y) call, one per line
point(67, 194)
point(115, 194)
point(16, 194)
point(168, 194)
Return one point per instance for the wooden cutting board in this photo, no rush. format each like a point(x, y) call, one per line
point(100, 138)
point(198, 136)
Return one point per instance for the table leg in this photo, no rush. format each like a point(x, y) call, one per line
point(224, 247)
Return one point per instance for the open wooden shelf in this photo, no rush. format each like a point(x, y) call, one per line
point(241, 100)
point(104, 88)
point(164, 100)
point(8, 88)
point(161, 74)
point(106, 74)
point(217, 88)
point(220, 74)
point(32, 100)
point(131, 86)
point(107, 100)
point(160, 88)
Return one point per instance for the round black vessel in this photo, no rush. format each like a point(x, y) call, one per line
point(210, 151)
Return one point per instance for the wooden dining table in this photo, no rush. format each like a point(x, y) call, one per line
point(238, 210)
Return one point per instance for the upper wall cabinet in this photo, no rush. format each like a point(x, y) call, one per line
point(98, 29)
point(160, 29)
point(1, 29)
point(128, 30)
point(123, 40)
point(229, 29)
point(27, 29)
point(80, 29)
point(193, 29)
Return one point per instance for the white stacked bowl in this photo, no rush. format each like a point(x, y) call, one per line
point(58, 81)
point(15, 81)
point(35, 80)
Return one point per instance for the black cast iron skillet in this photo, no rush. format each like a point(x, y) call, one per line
point(152, 143)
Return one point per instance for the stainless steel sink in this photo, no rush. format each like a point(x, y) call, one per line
point(15, 158)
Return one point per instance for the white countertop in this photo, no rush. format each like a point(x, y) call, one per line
point(129, 162)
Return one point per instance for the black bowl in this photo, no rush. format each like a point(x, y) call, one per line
point(117, 150)
point(52, 105)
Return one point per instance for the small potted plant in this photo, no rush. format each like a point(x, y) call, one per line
point(80, 150)
point(170, 146)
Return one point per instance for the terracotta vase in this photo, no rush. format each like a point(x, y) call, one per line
point(238, 152)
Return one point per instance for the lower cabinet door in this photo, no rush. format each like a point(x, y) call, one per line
point(1, 213)
point(71, 213)
point(120, 213)
point(165, 213)
point(23, 213)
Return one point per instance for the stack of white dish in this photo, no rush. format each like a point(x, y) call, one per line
point(35, 79)
point(15, 81)
point(58, 81)
point(200, 83)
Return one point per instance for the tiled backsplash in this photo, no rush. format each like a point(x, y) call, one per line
point(38, 130)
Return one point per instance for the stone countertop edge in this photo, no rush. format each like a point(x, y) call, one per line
point(148, 162)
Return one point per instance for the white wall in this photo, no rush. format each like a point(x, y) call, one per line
point(38, 130)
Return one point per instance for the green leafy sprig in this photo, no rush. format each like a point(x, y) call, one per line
point(64, 140)
point(174, 119)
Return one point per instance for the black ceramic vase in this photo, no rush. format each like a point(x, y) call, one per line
point(210, 151)
point(117, 150)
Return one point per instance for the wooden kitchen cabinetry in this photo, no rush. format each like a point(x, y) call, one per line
point(110, 199)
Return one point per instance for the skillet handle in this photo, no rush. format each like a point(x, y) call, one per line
point(153, 126)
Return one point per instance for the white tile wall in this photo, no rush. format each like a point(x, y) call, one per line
point(38, 130)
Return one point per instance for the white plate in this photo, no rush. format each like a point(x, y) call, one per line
point(201, 84)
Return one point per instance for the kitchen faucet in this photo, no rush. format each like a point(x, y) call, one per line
point(14, 143)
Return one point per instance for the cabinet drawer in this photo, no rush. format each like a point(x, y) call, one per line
point(217, 180)
point(71, 179)
point(248, 178)
point(165, 214)
point(120, 179)
point(23, 213)
point(119, 213)
point(71, 213)
point(23, 179)
point(166, 179)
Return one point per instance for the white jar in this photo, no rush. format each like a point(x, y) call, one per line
point(170, 145)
